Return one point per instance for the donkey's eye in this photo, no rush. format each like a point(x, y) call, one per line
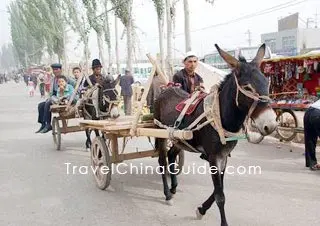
point(248, 88)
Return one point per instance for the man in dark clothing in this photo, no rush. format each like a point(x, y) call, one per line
point(44, 113)
point(187, 77)
point(311, 123)
point(96, 77)
point(126, 91)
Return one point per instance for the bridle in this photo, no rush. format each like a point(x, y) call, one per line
point(107, 99)
point(253, 94)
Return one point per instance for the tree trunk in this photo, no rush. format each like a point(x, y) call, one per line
point(129, 38)
point(117, 45)
point(107, 35)
point(65, 57)
point(169, 68)
point(86, 54)
point(160, 26)
point(187, 25)
point(101, 49)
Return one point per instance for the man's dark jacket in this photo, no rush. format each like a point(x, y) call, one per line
point(182, 78)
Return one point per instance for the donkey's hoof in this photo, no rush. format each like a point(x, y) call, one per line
point(173, 191)
point(199, 215)
point(169, 202)
point(88, 149)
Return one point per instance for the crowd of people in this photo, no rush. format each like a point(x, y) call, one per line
point(60, 88)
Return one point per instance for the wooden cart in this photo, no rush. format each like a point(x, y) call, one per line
point(60, 124)
point(105, 150)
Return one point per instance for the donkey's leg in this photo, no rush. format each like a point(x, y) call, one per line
point(88, 141)
point(172, 155)
point(160, 145)
point(218, 195)
point(97, 132)
point(95, 102)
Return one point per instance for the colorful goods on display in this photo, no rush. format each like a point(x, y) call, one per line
point(294, 81)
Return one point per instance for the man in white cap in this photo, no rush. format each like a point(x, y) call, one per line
point(187, 77)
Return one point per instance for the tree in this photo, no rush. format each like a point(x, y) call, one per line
point(123, 10)
point(107, 37)
point(28, 48)
point(159, 5)
point(117, 43)
point(170, 15)
point(44, 21)
point(187, 23)
point(79, 24)
point(7, 57)
point(96, 22)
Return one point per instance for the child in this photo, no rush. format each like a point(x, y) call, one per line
point(64, 90)
point(31, 87)
point(41, 85)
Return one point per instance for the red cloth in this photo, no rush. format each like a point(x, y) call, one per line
point(193, 106)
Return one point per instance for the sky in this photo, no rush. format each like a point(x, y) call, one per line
point(202, 15)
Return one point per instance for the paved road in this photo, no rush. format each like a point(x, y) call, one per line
point(35, 188)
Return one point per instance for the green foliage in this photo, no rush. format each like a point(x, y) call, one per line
point(7, 60)
point(122, 10)
point(96, 22)
point(26, 47)
point(40, 23)
point(159, 4)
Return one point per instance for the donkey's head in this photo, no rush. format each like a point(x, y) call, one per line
point(110, 97)
point(252, 90)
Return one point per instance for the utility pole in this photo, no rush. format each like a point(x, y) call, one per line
point(309, 20)
point(187, 25)
point(249, 37)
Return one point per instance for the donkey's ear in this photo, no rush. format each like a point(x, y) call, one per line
point(260, 55)
point(232, 62)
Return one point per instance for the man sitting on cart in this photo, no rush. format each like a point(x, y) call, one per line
point(96, 77)
point(187, 77)
point(311, 123)
point(189, 80)
point(44, 113)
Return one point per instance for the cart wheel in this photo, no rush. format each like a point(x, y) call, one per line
point(287, 124)
point(179, 163)
point(101, 163)
point(56, 133)
point(253, 135)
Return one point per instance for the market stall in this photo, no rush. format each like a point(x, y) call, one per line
point(294, 86)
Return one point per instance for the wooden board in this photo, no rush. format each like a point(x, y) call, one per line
point(55, 108)
point(111, 125)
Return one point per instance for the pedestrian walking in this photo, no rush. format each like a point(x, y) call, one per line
point(126, 91)
point(311, 123)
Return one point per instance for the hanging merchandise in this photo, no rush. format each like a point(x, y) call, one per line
point(297, 71)
point(289, 71)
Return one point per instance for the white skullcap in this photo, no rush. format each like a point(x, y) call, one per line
point(190, 54)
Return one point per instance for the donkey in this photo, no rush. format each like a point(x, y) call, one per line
point(235, 105)
point(102, 103)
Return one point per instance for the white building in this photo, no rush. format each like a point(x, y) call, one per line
point(290, 39)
